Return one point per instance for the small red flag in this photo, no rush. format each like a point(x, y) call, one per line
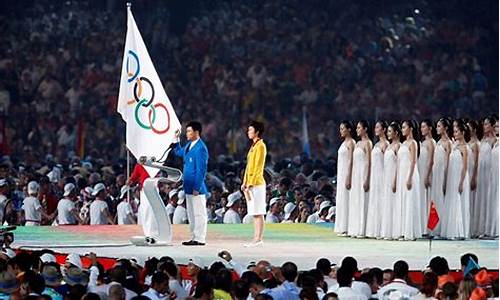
point(433, 217)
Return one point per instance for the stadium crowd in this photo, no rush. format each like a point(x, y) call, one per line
point(234, 61)
point(38, 275)
point(231, 62)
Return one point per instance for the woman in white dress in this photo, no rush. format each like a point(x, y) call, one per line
point(473, 162)
point(389, 199)
point(409, 182)
point(439, 169)
point(425, 162)
point(358, 197)
point(344, 175)
point(457, 205)
point(492, 212)
point(374, 212)
point(483, 203)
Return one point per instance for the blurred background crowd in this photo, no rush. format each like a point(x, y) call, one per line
point(224, 63)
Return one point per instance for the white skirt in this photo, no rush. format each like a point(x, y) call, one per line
point(256, 206)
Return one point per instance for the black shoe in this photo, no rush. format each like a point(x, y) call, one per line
point(193, 243)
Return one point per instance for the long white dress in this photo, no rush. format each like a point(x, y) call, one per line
point(471, 164)
point(438, 171)
point(374, 212)
point(483, 182)
point(492, 212)
point(358, 198)
point(342, 196)
point(457, 205)
point(388, 197)
point(425, 193)
point(410, 198)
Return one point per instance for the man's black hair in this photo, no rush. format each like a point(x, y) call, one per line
point(290, 272)
point(195, 125)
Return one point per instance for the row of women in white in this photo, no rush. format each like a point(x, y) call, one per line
point(386, 190)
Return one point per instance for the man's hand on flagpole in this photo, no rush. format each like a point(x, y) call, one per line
point(177, 135)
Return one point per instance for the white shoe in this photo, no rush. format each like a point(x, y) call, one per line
point(254, 244)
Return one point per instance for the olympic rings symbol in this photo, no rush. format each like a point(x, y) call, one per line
point(138, 90)
point(132, 76)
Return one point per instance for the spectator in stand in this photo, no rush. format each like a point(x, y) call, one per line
point(345, 291)
point(99, 213)
point(67, 213)
point(124, 211)
point(273, 215)
point(159, 287)
point(231, 215)
point(180, 213)
point(399, 285)
point(429, 286)
point(33, 210)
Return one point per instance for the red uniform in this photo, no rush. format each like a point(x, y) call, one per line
point(139, 175)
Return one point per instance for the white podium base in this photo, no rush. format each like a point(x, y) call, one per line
point(143, 241)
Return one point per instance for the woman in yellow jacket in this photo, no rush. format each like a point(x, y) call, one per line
point(254, 185)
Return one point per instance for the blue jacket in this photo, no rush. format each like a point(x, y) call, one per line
point(195, 166)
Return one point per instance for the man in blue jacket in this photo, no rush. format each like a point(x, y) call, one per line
point(195, 156)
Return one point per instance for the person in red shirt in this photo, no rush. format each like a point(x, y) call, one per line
point(47, 198)
point(145, 215)
point(138, 176)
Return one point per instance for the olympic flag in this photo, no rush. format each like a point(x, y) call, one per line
point(142, 102)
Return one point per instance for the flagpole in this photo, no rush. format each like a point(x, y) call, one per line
point(128, 173)
point(129, 4)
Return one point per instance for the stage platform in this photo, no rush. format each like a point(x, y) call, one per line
point(300, 243)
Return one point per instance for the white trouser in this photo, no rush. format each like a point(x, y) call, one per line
point(147, 218)
point(197, 216)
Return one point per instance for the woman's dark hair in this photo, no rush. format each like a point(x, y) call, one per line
point(330, 295)
point(384, 126)
point(415, 132)
point(306, 280)
point(224, 280)
point(151, 265)
point(439, 265)
point(240, 290)
point(205, 284)
point(446, 124)
point(324, 265)
point(474, 126)
point(462, 126)
point(429, 284)
point(397, 128)
point(429, 124)
point(366, 126)
point(491, 118)
point(309, 294)
point(348, 126)
point(258, 126)
point(170, 268)
point(216, 267)
point(450, 290)
point(195, 125)
point(377, 274)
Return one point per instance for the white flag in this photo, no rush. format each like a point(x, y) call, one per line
point(142, 102)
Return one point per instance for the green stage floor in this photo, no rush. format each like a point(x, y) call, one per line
point(300, 243)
